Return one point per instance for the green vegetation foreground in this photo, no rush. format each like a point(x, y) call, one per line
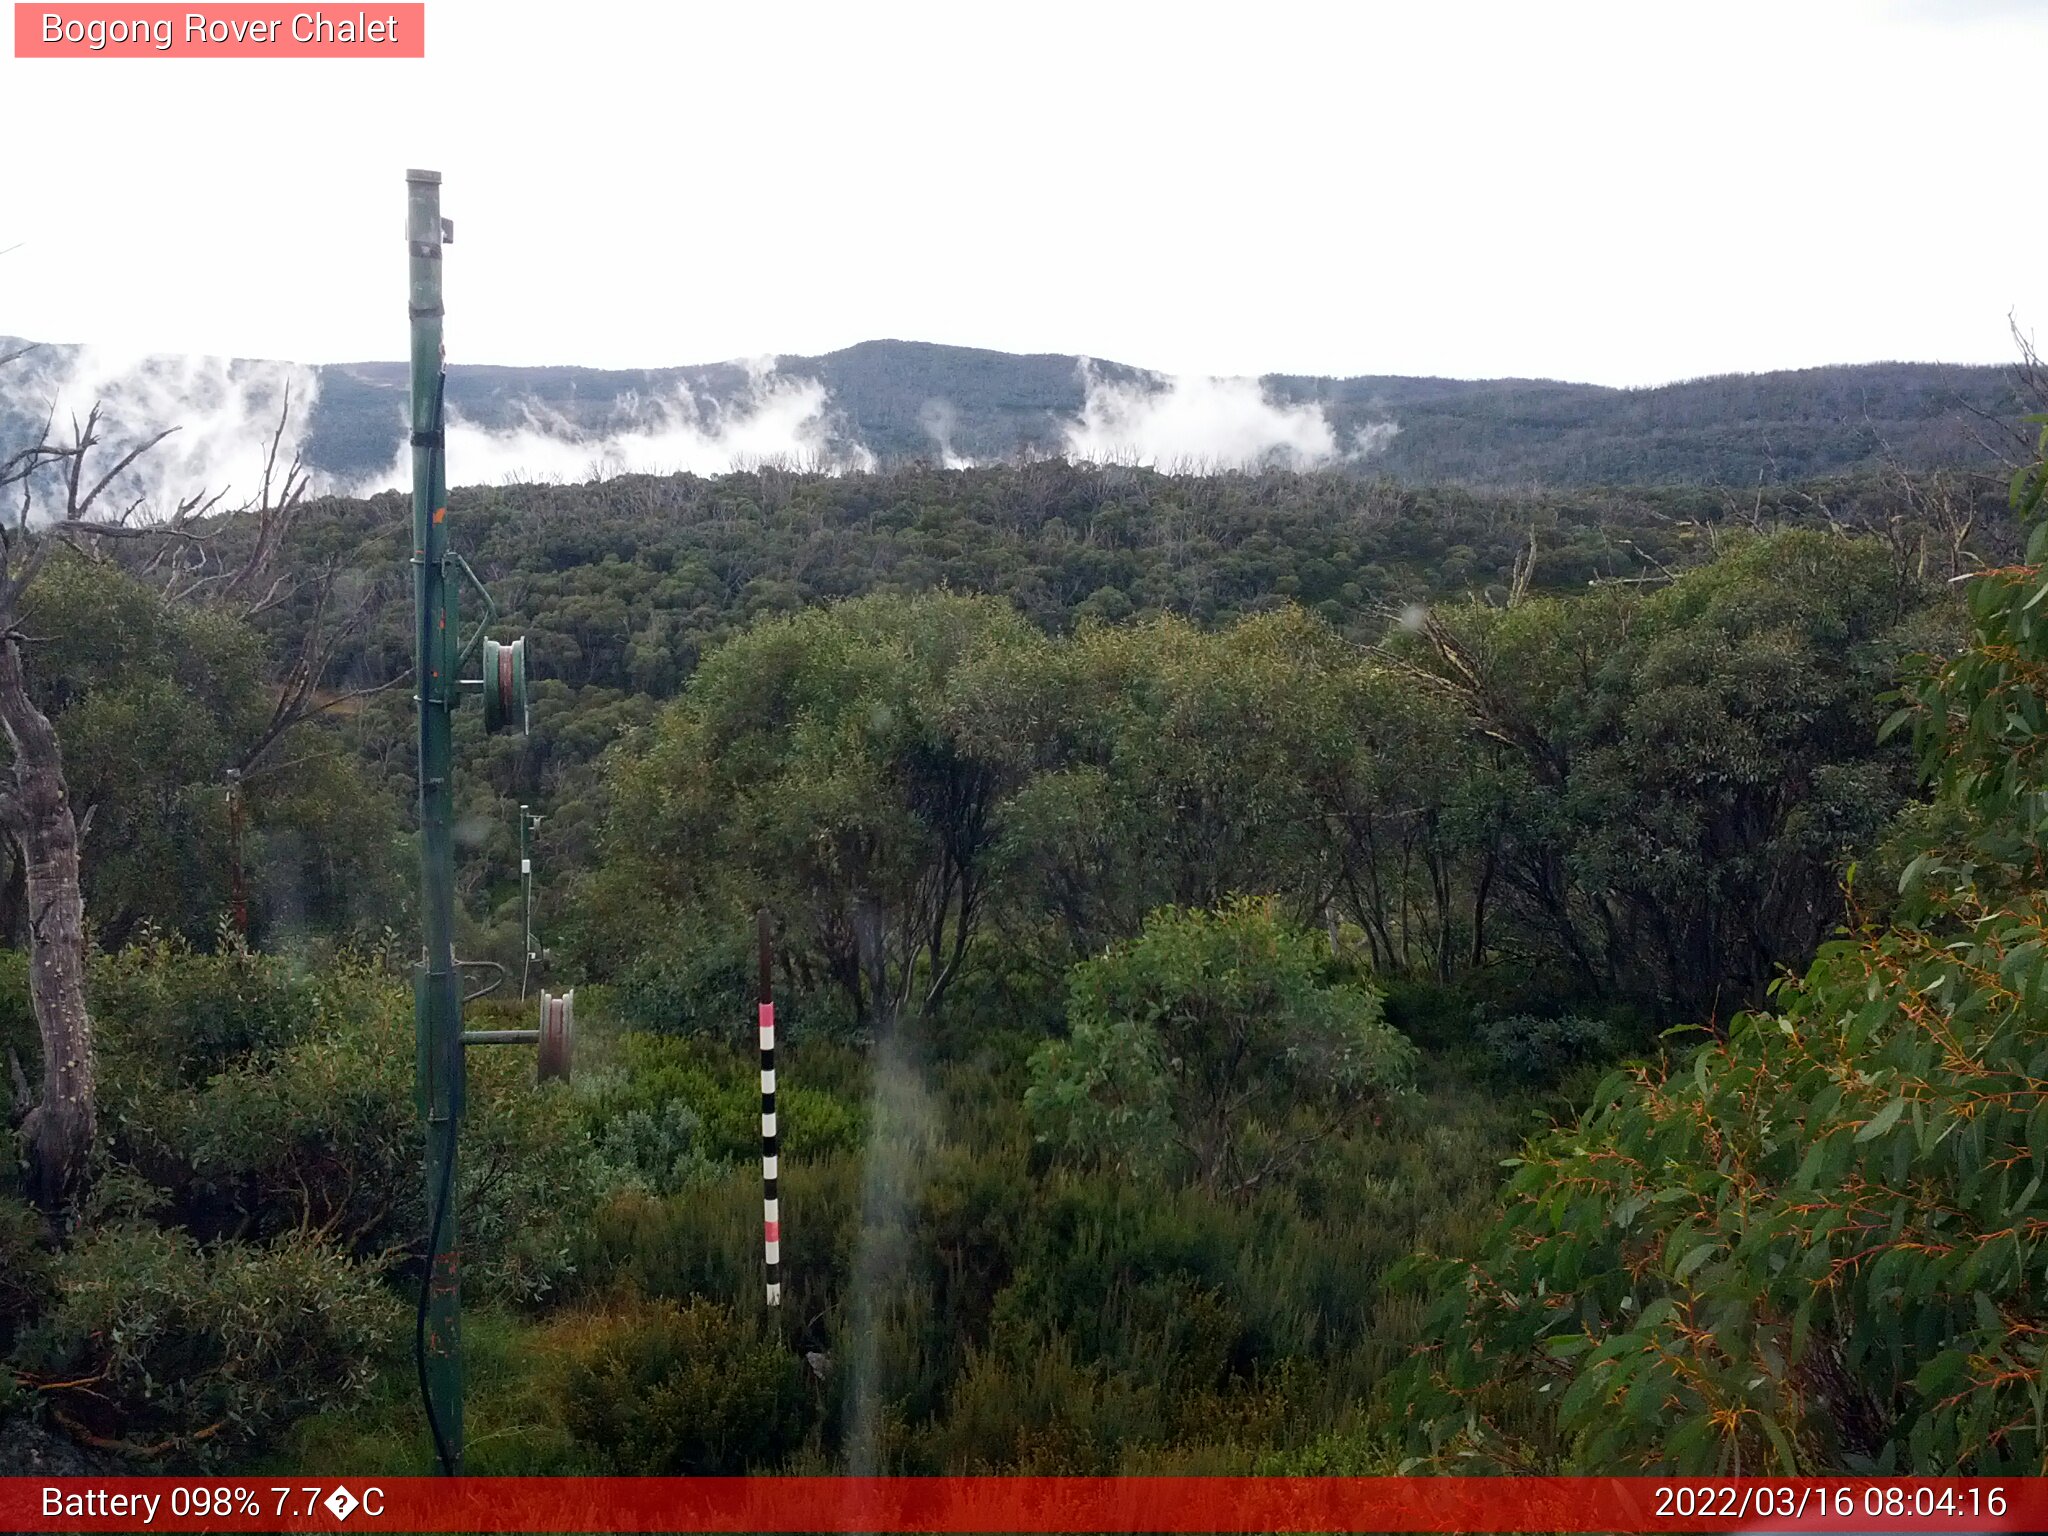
point(1155, 996)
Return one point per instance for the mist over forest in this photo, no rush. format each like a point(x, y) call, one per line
point(887, 403)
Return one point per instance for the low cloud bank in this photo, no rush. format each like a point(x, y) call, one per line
point(777, 420)
point(1192, 423)
point(226, 413)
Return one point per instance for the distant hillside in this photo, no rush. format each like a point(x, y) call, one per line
point(900, 400)
point(1729, 430)
point(882, 392)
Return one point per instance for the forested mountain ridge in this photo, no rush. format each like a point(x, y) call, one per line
point(1736, 429)
point(900, 400)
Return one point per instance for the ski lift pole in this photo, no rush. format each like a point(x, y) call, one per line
point(437, 996)
point(440, 654)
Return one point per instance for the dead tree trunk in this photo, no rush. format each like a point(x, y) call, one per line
point(59, 1129)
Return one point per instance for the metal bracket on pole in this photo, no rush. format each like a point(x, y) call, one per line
point(554, 1041)
point(488, 987)
point(490, 612)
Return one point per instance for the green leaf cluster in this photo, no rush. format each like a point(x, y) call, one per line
point(1215, 1046)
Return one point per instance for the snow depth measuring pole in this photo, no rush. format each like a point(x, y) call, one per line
point(771, 1205)
point(439, 657)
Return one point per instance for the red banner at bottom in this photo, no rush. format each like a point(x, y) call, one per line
point(1024, 1504)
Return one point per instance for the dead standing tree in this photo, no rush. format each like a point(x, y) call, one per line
point(57, 1125)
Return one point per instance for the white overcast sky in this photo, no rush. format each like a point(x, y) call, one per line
point(1624, 194)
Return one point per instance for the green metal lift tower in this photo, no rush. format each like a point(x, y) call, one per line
point(440, 656)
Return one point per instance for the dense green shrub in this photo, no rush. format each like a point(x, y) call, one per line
point(1053, 1409)
point(697, 1388)
point(154, 701)
point(182, 1015)
point(707, 986)
point(26, 1264)
point(307, 1124)
point(159, 1346)
point(722, 1091)
point(1533, 1049)
point(1632, 795)
point(706, 1241)
point(18, 1034)
point(1435, 1016)
point(1213, 1046)
point(659, 1151)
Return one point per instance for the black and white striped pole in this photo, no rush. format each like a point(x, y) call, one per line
point(771, 1206)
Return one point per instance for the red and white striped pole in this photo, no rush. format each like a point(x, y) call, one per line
point(771, 1207)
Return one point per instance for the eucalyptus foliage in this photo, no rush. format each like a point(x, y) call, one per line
point(1819, 1243)
point(156, 1346)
